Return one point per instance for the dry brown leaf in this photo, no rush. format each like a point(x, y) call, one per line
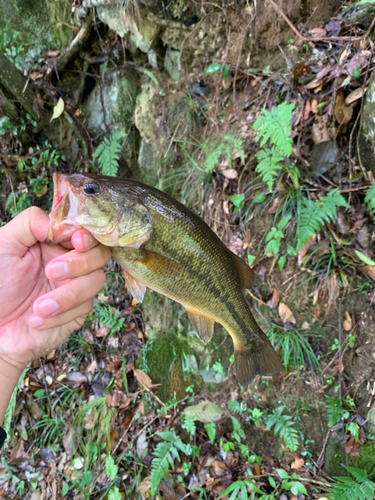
point(298, 463)
point(318, 32)
point(314, 104)
point(344, 54)
point(347, 324)
point(303, 250)
point(286, 314)
point(369, 271)
point(274, 300)
point(102, 332)
point(143, 378)
point(276, 204)
point(319, 131)
point(343, 113)
point(144, 488)
point(307, 110)
point(230, 173)
point(355, 95)
point(75, 378)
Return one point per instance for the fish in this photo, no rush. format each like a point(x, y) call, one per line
point(162, 245)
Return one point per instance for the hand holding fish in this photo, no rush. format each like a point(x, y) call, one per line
point(45, 291)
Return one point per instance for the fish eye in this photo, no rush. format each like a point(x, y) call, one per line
point(91, 188)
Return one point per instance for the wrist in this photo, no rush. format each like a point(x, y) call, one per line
point(9, 376)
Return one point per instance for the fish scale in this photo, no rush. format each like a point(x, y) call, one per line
point(163, 245)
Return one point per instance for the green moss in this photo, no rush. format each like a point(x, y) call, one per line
point(165, 359)
point(366, 458)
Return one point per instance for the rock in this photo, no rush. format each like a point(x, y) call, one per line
point(110, 106)
point(325, 156)
point(36, 25)
point(172, 63)
point(120, 19)
point(366, 139)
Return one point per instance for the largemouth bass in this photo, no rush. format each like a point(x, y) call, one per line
point(161, 244)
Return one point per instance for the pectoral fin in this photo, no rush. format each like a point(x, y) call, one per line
point(136, 289)
point(246, 273)
point(203, 326)
point(158, 264)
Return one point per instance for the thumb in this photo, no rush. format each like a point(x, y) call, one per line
point(25, 230)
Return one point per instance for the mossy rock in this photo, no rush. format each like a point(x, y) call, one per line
point(168, 361)
point(366, 459)
point(42, 23)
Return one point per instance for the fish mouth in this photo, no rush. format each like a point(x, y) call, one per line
point(64, 210)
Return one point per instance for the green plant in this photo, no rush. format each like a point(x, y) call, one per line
point(273, 240)
point(338, 409)
point(283, 426)
point(275, 126)
point(315, 213)
point(242, 487)
point(165, 454)
point(347, 488)
point(294, 348)
point(291, 483)
point(10, 46)
point(370, 197)
point(109, 316)
point(107, 153)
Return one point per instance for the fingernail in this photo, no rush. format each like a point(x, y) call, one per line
point(87, 240)
point(47, 307)
point(35, 322)
point(58, 269)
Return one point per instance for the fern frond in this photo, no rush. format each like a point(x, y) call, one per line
point(107, 153)
point(334, 410)
point(348, 489)
point(284, 427)
point(370, 198)
point(275, 125)
point(165, 454)
point(315, 213)
point(269, 165)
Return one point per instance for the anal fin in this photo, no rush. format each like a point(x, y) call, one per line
point(136, 289)
point(203, 326)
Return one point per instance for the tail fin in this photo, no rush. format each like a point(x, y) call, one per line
point(260, 359)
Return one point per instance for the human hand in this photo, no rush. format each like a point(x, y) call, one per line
point(46, 291)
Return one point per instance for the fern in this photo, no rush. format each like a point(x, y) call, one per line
point(370, 198)
point(315, 213)
point(269, 165)
point(227, 145)
point(275, 125)
point(165, 454)
point(189, 424)
point(284, 427)
point(361, 488)
point(335, 410)
point(107, 153)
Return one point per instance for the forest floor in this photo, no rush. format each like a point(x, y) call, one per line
point(93, 420)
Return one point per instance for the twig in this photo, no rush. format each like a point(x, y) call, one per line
point(256, 298)
point(323, 38)
point(13, 193)
point(73, 48)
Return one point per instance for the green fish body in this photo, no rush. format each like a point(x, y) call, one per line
point(162, 245)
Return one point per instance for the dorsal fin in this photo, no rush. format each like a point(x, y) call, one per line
point(246, 274)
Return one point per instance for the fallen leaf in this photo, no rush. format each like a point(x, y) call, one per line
point(314, 104)
point(307, 110)
point(144, 488)
point(298, 463)
point(274, 300)
point(318, 32)
point(205, 412)
point(58, 109)
point(333, 28)
point(276, 204)
point(319, 131)
point(368, 270)
point(75, 378)
point(142, 445)
point(286, 314)
point(355, 95)
point(143, 378)
point(102, 332)
point(303, 250)
point(230, 173)
point(347, 324)
point(343, 113)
